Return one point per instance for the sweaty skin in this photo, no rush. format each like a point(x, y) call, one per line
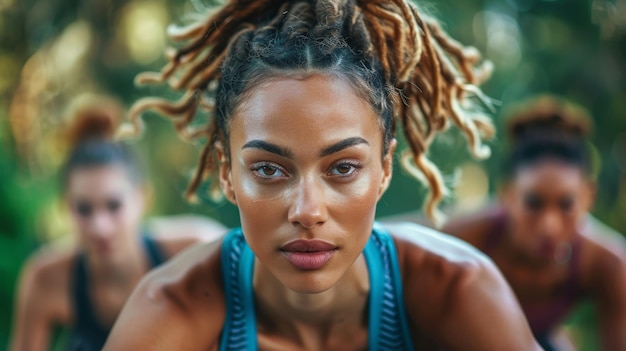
point(116, 260)
point(306, 162)
point(547, 206)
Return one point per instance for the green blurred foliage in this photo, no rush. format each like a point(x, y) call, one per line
point(573, 48)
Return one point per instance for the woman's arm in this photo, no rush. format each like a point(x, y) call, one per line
point(34, 314)
point(457, 296)
point(604, 275)
point(610, 297)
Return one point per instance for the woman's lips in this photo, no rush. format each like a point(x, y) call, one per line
point(308, 254)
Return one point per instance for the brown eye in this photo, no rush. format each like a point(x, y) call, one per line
point(344, 169)
point(113, 205)
point(533, 202)
point(83, 209)
point(268, 170)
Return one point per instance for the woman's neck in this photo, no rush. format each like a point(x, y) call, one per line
point(532, 260)
point(126, 267)
point(303, 317)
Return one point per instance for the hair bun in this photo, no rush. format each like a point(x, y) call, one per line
point(93, 117)
point(548, 115)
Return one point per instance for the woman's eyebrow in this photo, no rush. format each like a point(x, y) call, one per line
point(269, 147)
point(343, 144)
point(287, 153)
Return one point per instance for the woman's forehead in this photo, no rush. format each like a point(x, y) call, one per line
point(93, 179)
point(316, 108)
point(315, 90)
point(550, 175)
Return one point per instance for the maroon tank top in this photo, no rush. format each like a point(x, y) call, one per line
point(545, 316)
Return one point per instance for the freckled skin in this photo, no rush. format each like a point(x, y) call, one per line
point(453, 296)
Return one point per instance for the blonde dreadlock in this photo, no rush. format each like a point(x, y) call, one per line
point(399, 59)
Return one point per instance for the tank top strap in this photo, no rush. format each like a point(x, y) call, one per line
point(496, 233)
point(80, 297)
point(154, 252)
point(574, 269)
point(237, 259)
point(88, 333)
point(388, 322)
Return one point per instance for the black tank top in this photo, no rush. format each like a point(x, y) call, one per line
point(88, 333)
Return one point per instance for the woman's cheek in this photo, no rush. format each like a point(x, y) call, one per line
point(359, 194)
point(249, 187)
point(356, 199)
point(363, 188)
point(252, 190)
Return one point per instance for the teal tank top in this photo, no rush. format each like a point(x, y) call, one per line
point(388, 328)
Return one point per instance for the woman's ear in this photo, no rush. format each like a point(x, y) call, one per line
point(589, 195)
point(387, 168)
point(505, 193)
point(225, 175)
point(147, 193)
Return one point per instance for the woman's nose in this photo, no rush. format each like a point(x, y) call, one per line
point(101, 224)
point(308, 208)
point(551, 225)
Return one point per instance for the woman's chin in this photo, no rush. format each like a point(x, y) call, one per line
point(309, 282)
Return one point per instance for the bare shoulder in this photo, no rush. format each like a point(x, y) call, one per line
point(603, 256)
point(472, 227)
point(45, 280)
point(447, 265)
point(175, 233)
point(50, 267)
point(603, 238)
point(179, 305)
point(426, 253)
point(455, 293)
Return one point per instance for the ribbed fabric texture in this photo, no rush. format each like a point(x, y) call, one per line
point(388, 327)
point(390, 322)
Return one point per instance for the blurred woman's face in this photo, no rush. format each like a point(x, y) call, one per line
point(546, 203)
point(306, 170)
point(106, 208)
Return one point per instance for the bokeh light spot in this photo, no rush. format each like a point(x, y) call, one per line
point(472, 188)
point(501, 36)
point(143, 28)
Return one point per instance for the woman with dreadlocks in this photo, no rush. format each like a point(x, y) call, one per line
point(553, 254)
point(83, 288)
point(305, 96)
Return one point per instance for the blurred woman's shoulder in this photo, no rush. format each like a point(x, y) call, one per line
point(603, 236)
point(175, 233)
point(51, 265)
point(45, 281)
point(603, 254)
point(471, 223)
